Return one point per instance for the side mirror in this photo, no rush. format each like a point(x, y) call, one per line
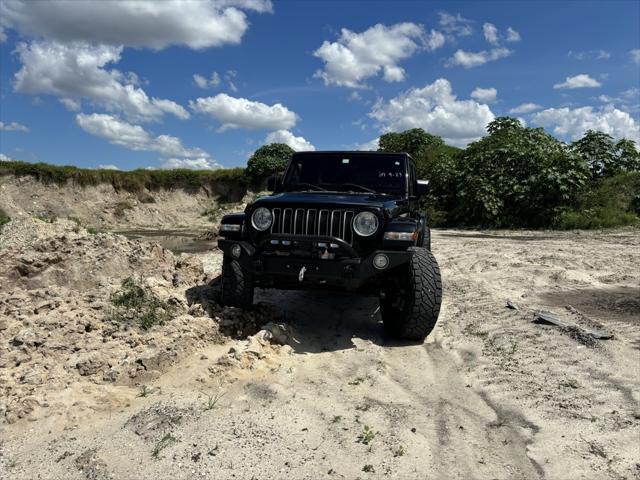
point(422, 188)
point(273, 183)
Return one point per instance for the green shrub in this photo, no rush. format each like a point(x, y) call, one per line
point(612, 202)
point(138, 303)
point(595, 218)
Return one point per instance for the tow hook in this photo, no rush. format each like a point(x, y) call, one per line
point(301, 274)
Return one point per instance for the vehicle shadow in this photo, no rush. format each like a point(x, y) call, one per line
point(320, 321)
point(329, 321)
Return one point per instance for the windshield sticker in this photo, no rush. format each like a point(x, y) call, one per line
point(345, 160)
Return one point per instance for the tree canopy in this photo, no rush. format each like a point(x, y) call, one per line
point(268, 160)
point(517, 176)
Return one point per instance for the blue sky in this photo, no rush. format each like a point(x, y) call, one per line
point(204, 83)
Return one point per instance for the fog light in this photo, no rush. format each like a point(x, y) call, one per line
point(236, 250)
point(381, 261)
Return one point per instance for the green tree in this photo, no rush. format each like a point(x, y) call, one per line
point(627, 156)
point(504, 124)
point(517, 176)
point(598, 150)
point(414, 142)
point(268, 160)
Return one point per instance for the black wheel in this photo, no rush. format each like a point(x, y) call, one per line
point(410, 300)
point(426, 238)
point(237, 285)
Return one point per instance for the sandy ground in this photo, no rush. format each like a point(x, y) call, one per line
point(490, 395)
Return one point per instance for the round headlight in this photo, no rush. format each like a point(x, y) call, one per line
point(365, 224)
point(261, 219)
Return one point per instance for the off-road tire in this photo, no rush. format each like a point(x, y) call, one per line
point(411, 301)
point(237, 285)
point(426, 238)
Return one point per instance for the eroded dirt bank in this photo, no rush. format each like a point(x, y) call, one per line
point(105, 207)
point(490, 394)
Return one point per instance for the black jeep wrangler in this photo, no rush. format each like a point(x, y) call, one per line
point(345, 221)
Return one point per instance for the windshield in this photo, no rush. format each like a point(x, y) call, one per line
point(349, 172)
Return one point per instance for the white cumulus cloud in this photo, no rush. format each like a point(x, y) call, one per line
point(485, 95)
point(578, 81)
point(573, 123)
point(437, 110)
point(475, 59)
point(513, 35)
point(202, 163)
point(434, 40)
point(526, 108)
point(455, 25)
point(108, 166)
point(355, 57)
point(490, 33)
point(136, 23)
point(493, 36)
point(627, 100)
point(204, 82)
point(299, 144)
point(234, 112)
point(371, 145)
point(77, 71)
point(635, 55)
point(13, 127)
point(134, 137)
point(590, 55)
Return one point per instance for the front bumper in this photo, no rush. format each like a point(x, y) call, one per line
point(273, 269)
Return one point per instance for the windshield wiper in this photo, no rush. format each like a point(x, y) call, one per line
point(309, 185)
point(351, 185)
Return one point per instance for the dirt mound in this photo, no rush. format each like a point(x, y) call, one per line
point(100, 308)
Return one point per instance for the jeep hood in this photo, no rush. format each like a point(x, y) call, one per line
point(327, 199)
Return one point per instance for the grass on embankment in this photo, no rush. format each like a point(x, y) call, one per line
point(131, 181)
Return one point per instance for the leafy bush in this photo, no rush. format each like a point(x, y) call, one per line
point(138, 303)
point(267, 160)
point(613, 202)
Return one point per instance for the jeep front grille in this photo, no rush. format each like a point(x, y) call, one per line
point(303, 221)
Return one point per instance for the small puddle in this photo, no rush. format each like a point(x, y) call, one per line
point(178, 241)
